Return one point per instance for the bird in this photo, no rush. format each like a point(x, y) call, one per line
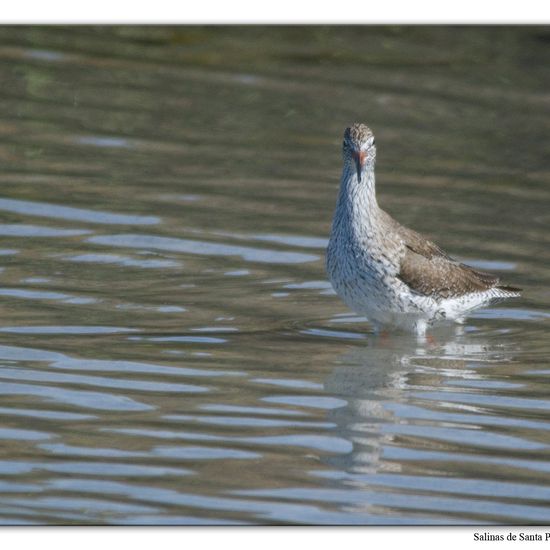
point(394, 276)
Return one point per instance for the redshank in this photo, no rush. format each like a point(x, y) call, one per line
point(387, 272)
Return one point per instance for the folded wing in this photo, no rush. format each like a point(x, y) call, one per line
point(426, 269)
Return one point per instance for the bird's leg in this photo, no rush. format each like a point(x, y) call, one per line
point(459, 328)
point(421, 327)
point(381, 333)
point(432, 342)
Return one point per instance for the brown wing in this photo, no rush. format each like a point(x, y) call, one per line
point(442, 276)
point(428, 270)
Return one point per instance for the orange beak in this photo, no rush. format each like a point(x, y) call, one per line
point(359, 158)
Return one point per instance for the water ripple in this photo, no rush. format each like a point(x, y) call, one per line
point(66, 362)
point(66, 330)
point(28, 375)
point(219, 407)
point(77, 398)
point(187, 246)
point(24, 230)
point(123, 261)
point(248, 421)
point(46, 295)
point(9, 433)
point(204, 453)
point(463, 437)
point(404, 454)
point(324, 443)
point(48, 210)
point(103, 141)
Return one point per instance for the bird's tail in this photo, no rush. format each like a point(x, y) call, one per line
point(508, 291)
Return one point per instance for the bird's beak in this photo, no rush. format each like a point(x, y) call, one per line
point(359, 158)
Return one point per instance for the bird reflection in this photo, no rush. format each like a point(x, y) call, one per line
point(382, 383)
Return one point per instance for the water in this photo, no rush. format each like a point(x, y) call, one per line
point(170, 349)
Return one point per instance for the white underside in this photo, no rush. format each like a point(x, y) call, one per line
point(395, 305)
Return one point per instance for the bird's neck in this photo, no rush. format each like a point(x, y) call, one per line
point(357, 203)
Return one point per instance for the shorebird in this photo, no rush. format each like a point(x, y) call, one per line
point(391, 274)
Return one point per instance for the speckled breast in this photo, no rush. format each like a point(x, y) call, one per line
point(365, 281)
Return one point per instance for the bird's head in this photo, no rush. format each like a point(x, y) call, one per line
point(359, 148)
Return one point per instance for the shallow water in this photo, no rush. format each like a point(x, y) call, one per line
point(170, 349)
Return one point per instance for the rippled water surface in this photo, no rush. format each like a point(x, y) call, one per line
point(170, 349)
